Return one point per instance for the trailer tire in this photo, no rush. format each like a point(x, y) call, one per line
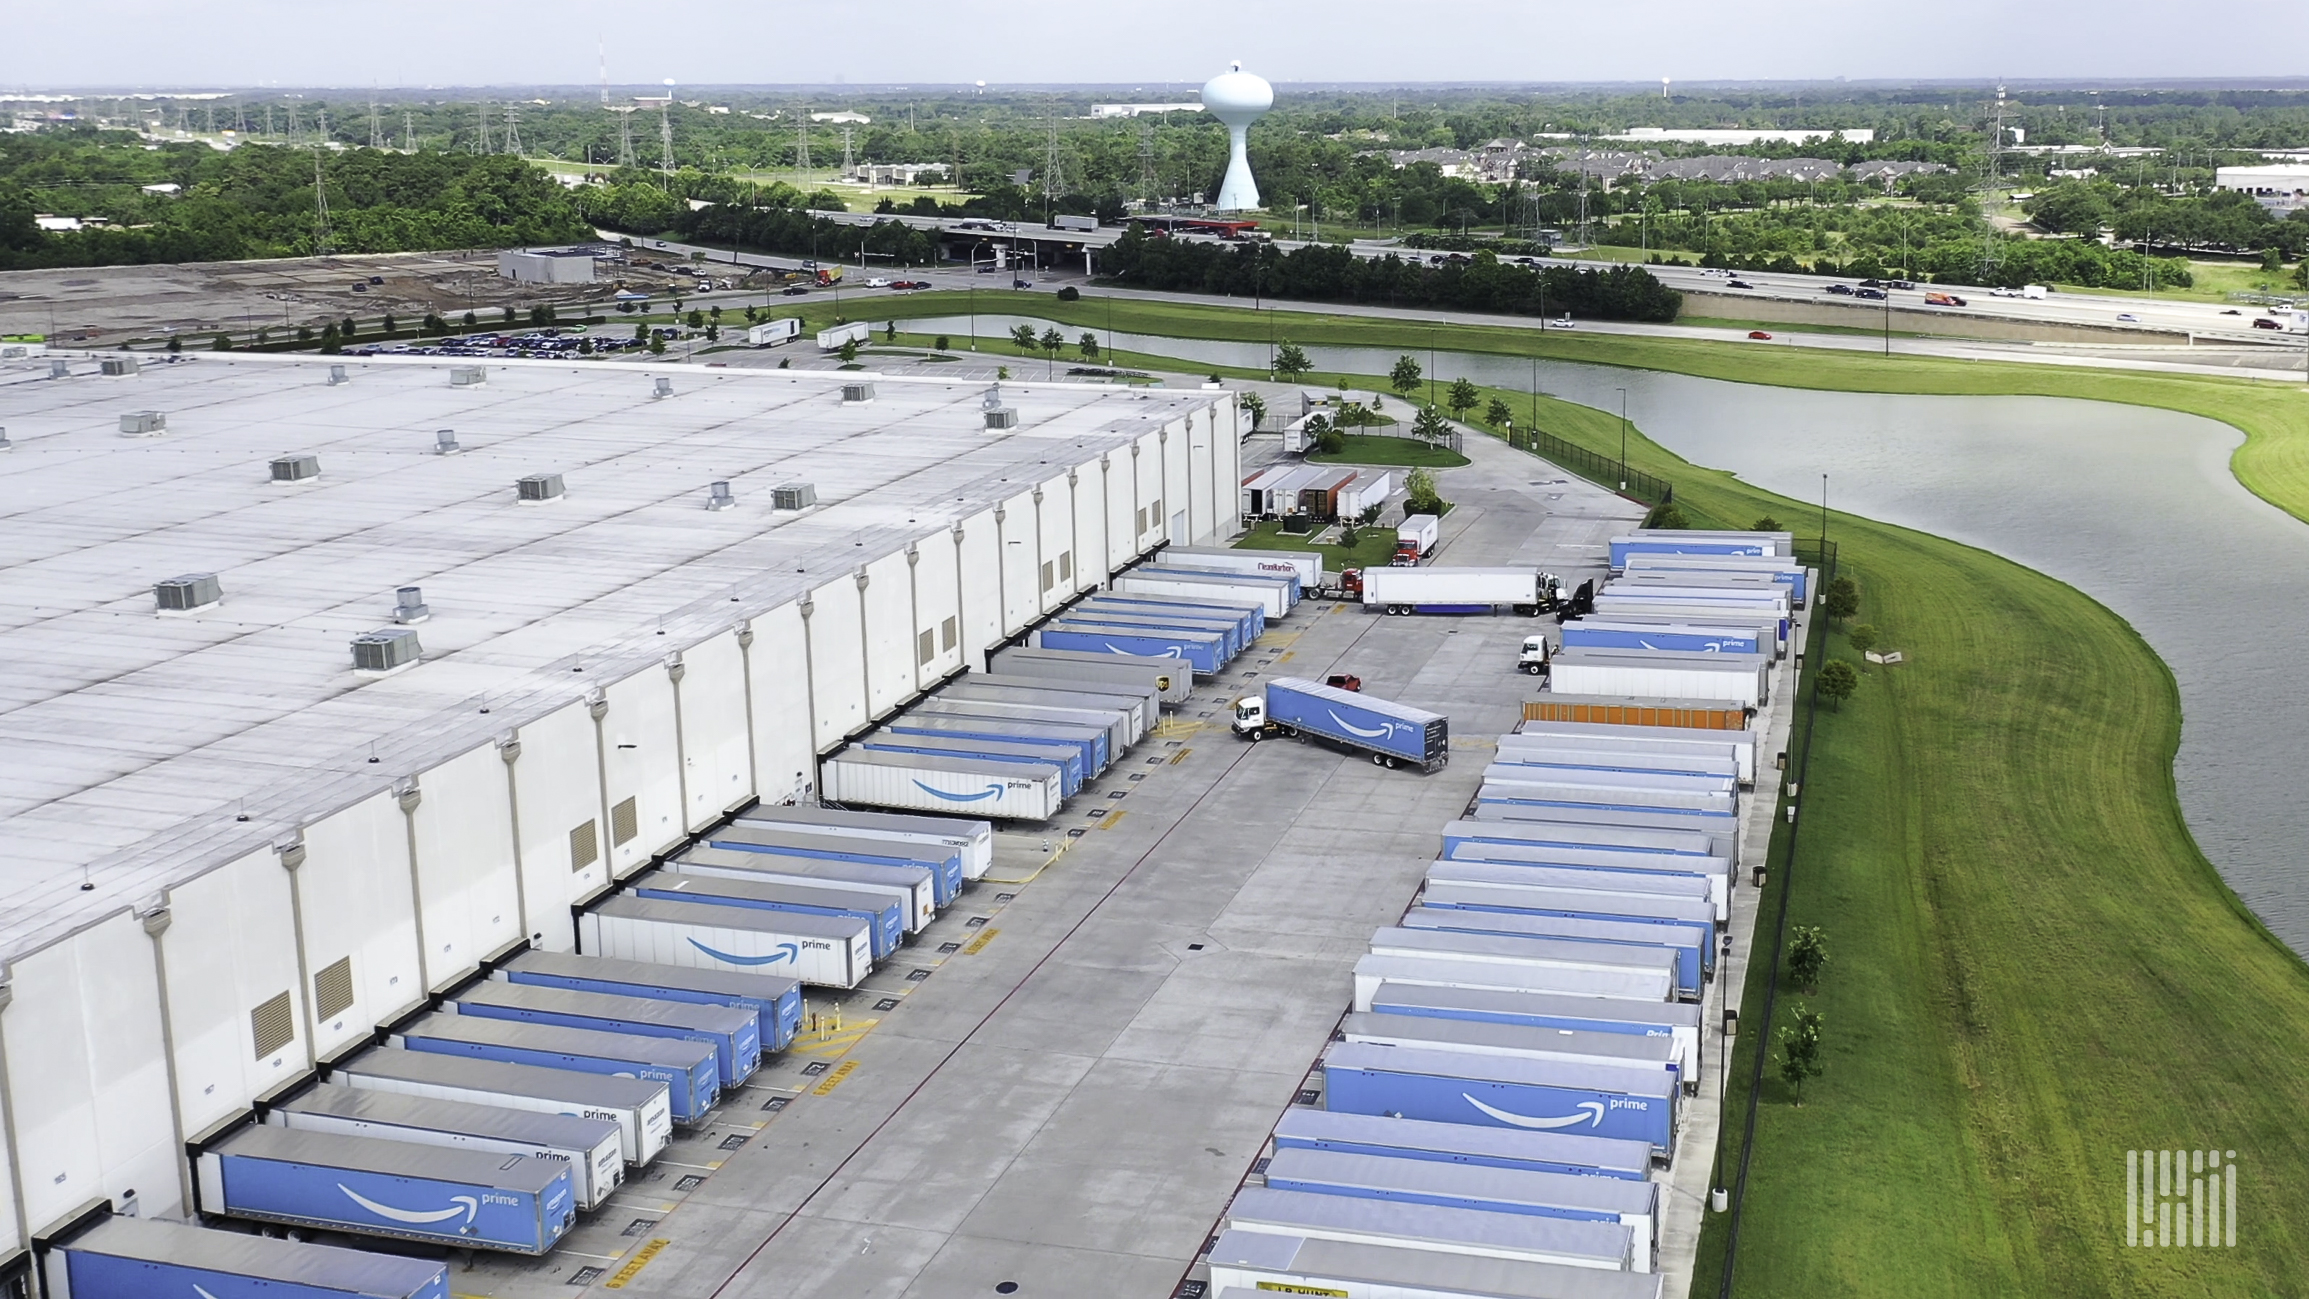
point(1384, 760)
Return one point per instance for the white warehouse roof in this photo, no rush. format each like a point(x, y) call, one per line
point(140, 749)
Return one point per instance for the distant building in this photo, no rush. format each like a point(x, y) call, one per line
point(546, 265)
point(2281, 188)
point(841, 119)
point(1732, 139)
point(898, 173)
point(1141, 110)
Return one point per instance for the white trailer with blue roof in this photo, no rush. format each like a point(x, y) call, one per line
point(593, 1148)
point(642, 1110)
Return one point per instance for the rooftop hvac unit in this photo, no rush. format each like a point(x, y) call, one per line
point(187, 593)
point(468, 376)
point(1001, 417)
point(539, 487)
point(143, 424)
point(409, 605)
point(59, 369)
point(718, 496)
point(853, 393)
point(664, 388)
point(5, 444)
point(445, 441)
point(794, 496)
point(386, 649)
point(118, 365)
point(337, 375)
point(295, 469)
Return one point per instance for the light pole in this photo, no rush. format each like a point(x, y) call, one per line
point(1623, 439)
point(1823, 518)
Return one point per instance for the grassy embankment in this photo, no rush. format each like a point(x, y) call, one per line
point(2035, 970)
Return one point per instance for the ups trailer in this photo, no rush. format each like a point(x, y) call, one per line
point(1277, 595)
point(1604, 1246)
point(1252, 1265)
point(1123, 720)
point(1319, 496)
point(1164, 675)
point(775, 1000)
point(1143, 701)
point(1621, 548)
point(922, 783)
point(910, 886)
point(1306, 565)
point(1739, 746)
point(1537, 753)
point(1245, 623)
point(1564, 834)
point(1796, 577)
point(592, 1148)
point(1462, 1186)
point(367, 1187)
point(1678, 1022)
point(1066, 757)
point(733, 1033)
point(943, 863)
point(822, 951)
point(1426, 1033)
point(1506, 863)
point(1088, 742)
point(688, 1069)
point(1641, 986)
point(974, 840)
point(1392, 733)
point(1634, 607)
point(1528, 952)
point(1302, 1128)
point(1563, 707)
point(1631, 1101)
point(1682, 638)
point(884, 915)
point(1485, 895)
point(1436, 589)
point(1200, 651)
point(1693, 944)
point(1741, 678)
point(642, 1110)
point(143, 1258)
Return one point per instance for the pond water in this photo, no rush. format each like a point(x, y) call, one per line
point(2135, 507)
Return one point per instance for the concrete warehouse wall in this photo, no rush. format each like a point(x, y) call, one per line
point(1951, 322)
point(124, 1041)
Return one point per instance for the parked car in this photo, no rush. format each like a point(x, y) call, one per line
point(376, 279)
point(1759, 335)
point(1022, 284)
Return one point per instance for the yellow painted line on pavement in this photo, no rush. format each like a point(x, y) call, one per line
point(634, 1265)
point(834, 1041)
point(1180, 756)
point(834, 1079)
point(1111, 820)
point(978, 944)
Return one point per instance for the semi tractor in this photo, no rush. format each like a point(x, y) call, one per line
point(1393, 734)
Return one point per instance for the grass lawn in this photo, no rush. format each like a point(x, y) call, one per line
point(1373, 546)
point(1783, 327)
point(1367, 449)
point(2034, 969)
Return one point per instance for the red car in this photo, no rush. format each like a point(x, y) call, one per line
point(1343, 681)
point(1759, 334)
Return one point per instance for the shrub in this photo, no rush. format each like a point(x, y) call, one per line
point(1069, 294)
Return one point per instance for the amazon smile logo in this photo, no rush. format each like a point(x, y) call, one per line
point(991, 791)
point(466, 1205)
point(1385, 728)
point(1589, 1113)
point(785, 952)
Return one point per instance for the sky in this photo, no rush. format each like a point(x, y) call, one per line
point(244, 43)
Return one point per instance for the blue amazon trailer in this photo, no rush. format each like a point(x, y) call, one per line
point(1302, 1128)
point(1121, 725)
point(1622, 547)
point(641, 1110)
point(959, 721)
point(1145, 702)
point(1066, 757)
point(1252, 618)
point(1634, 1205)
point(1231, 630)
point(1636, 1103)
point(882, 911)
point(1200, 651)
point(1393, 734)
point(775, 1000)
point(1683, 638)
point(826, 951)
point(370, 1187)
point(943, 863)
point(973, 839)
point(733, 1033)
point(594, 1148)
point(145, 1258)
point(1677, 1021)
point(913, 888)
point(689, 1070)
point(1599, 838)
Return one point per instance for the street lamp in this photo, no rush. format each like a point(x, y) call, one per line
point(1623, 439)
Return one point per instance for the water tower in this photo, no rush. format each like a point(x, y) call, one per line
point(1238, 99)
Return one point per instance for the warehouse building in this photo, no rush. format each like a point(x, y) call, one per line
point(546, 265)
point(330, 684)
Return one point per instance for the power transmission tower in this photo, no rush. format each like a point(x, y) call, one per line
point(376, 135)
point(409, 130)
point(1051, 182)
point(802, 149)
point(268, 121)
point(665, 133)
point(849, 159)
point(624, 135)
point(320, 208)
point(601, 48)
point(1146, 164)
point(512, 130)
point(1992, 168)
point(483, 146)
point(321, 128)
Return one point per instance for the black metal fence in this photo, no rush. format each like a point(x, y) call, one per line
point(1594, 466)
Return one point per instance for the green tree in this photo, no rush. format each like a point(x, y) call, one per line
point(1088, 345)
point(1807, 956)
point(713, 332)
point(1462, 397)
point(1406, 376)
point(1419, 493)
point(849, 351)
point(1765, 524)
point(222, 343)
point(940, 344)
point(1022, 337)
point(1841, 600)
point(1430, 426)
point(175, 344)
point(388, 326)
point(1253, 405)
point(1291, 362)
point(1837, 682)
point(1001, 372)
point(472, 321)
point(508, 313)
point(697, 319)
point(345, 329)
point(753, 314)
point(656, 345)
point(1497, 414)
point(1862, 637)
point(1800, 1051)
point(715, 313)
point(2301, 274)
point(1053, 343)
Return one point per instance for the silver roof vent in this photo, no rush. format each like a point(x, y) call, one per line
point(409, 605)
point(1001, 417)
point(663, 388)
point(189, 593)
point(295, 469)
point(793, 496)
point(59, 369)
point(143, 424)
point(5, 444)
point(718, 496)
point(337, 375)
point(445, 442)
point(539, 487)
point(992, 400)
point(855, 394)
point(467, 376)
point(389, 649)
point(120, 365)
